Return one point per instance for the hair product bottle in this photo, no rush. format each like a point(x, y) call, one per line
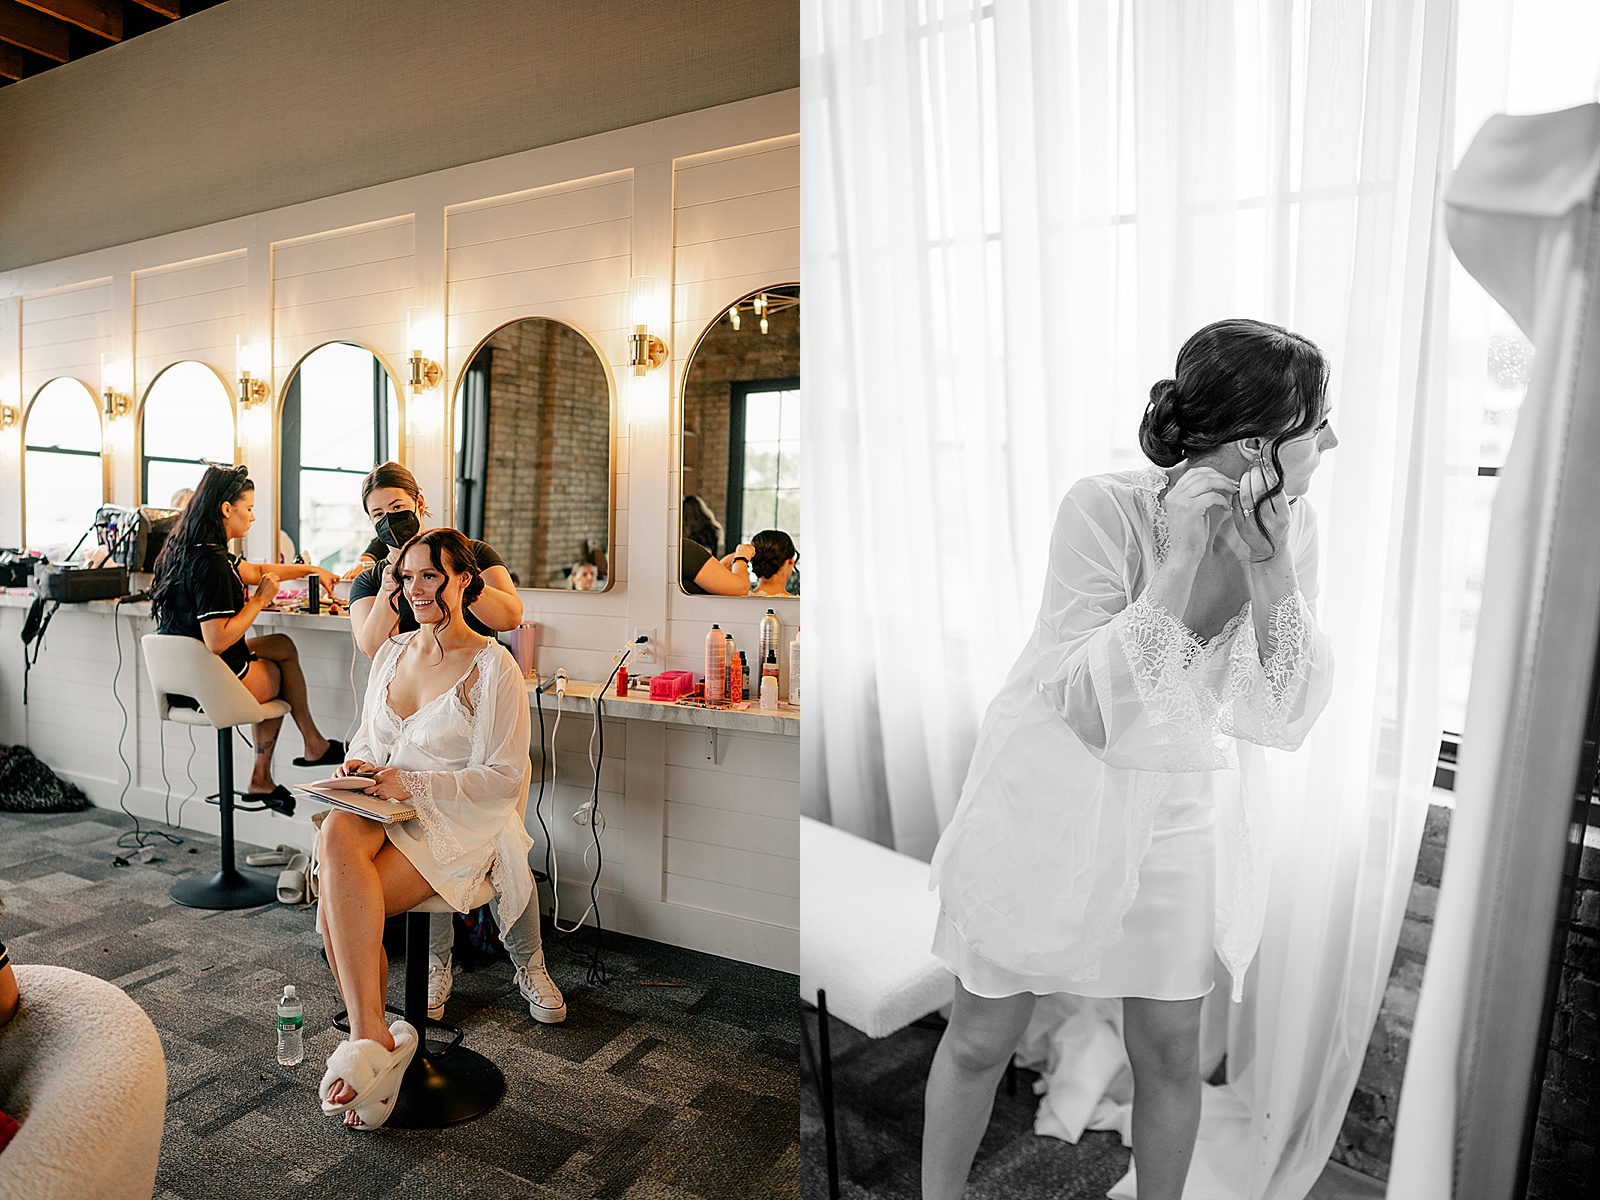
point(794, 668)
point(716, 666)
point(769, 681)
point(732, 667)
point(771, 637)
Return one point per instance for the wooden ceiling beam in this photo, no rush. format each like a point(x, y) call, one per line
point(10, 61)
point(32, 30)
point(167, 8)
point(102, 17)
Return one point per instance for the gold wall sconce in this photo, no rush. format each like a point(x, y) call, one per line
point(9, 416)
point(252, 391)
point(646, 352)
point(114, 398)
point(422, 332)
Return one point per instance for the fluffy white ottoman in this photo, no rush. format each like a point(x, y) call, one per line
point(81, 1068)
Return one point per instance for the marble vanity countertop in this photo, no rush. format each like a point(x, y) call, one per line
point(784, 721)
point(271, 618)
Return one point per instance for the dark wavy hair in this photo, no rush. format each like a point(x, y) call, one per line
point(1237, 378)
point(773, 548)
point(199, 530)
point(444, 546)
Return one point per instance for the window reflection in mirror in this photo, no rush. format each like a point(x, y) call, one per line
point(741, 441)
point(533, 454)
point(340, 418)
point(64, 479)
point(187, 417)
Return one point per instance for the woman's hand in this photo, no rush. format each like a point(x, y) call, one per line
point(354, 766)
point(1273, 513)
point(387, 785)
point(267, 589)
point(327, 579)
point(1189, 504)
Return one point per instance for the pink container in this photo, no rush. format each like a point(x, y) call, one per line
point(669, 685)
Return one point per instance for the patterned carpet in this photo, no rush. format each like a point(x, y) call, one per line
point(877, 1087)
point(645, 1093)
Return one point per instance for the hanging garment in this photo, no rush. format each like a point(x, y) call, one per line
point(1521, 217)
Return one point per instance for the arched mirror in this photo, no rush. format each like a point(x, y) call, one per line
point(340, 418)
point(533, 454)
point(186, 418)
point(63, 473)
point(741, 445)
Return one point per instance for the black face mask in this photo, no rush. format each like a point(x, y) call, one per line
point(397, 528)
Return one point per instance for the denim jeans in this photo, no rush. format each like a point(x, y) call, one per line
point(522, 940)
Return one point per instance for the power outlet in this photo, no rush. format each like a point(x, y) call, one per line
point(645, 652)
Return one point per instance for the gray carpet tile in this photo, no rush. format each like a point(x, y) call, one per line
point(878, 1088)
point(644, 1093)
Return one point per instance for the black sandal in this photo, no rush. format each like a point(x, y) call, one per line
point(333, 756)
point(279, 798)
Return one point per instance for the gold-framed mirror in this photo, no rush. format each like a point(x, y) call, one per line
point(533, 423)
point(340, 414)
point(740, 465)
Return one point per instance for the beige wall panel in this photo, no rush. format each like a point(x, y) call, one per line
point(747, 171)
point(375, 242)
point(761, 213)
point(768, 873)
point(744, 902)
point(557, 207)
point(736, 830)
point(576, 244)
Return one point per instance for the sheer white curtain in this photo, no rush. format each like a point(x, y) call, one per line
point(1014, 214)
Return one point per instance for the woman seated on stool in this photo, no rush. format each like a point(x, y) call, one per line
point(445, 728)
point(378, 610)
point(199, 592)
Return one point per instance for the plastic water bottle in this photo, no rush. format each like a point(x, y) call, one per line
point(716, 666)
point(291, 1048)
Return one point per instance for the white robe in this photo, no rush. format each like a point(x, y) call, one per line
point(1111, 704)
point(463, 757)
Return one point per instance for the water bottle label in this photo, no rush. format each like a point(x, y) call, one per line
point(288, 1022)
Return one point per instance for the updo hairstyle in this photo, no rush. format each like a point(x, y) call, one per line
point(773, 548)
point(451, 553)
point(1236, 379)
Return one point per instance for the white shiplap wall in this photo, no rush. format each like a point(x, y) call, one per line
point(701, 853)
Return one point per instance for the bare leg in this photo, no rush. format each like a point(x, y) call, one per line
point(264, 737)
point(1163, 1041)
point(972, 1056)
point(364, 879)
point(279, 651)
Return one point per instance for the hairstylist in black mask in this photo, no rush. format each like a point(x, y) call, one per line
point(394, 502)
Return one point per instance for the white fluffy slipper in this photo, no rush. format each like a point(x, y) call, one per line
point(375, 1074)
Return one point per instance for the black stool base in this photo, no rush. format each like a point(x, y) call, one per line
point(446, 1089)
point(225, 889)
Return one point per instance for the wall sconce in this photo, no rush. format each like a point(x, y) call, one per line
point(646, 352)
point(8, 416)
point(252, 391)
point(114, 401)
point(422, 331)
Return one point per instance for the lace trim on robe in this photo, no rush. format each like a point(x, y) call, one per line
point(444, 844)
point(1286, 670)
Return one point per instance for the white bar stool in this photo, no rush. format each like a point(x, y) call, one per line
point(182, 666)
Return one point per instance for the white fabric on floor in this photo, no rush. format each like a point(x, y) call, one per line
point(1015, 213)
point(1523, 219)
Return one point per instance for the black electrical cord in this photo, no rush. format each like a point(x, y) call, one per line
point(140, 838)
point(544, 763)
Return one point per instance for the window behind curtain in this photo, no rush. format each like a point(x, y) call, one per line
point(61, 465)
point(187, 417)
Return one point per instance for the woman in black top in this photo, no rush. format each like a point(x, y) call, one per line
point(393, 500)
point(199, 592)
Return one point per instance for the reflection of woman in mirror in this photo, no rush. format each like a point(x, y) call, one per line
point(773, 562)
point(701, 525)
point(583, 577)
point(199, 592)
point(378, 611)
point(444, 727)
point(703, 574)
point(1111, 836)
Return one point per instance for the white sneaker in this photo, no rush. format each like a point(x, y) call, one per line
point(540, 991)
point(439, 984)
